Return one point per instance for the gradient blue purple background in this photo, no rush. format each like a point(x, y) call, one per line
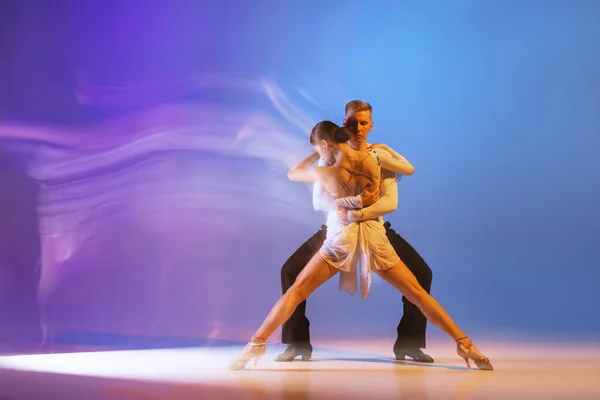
point(144, 149)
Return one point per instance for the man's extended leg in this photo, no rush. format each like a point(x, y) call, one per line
point(412, 326)
point(295, 331)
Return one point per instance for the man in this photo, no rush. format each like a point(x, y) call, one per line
point(412, 326)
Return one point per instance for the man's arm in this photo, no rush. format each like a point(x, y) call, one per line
point(323, 201)
point(393, 161)
point(385, 205)
point(390, 160)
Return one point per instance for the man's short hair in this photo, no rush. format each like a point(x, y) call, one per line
point(358, 106)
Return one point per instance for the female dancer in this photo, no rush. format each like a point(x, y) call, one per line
point(349, 244)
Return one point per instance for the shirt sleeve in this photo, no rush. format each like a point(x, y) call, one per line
point(349, 202)
point(322, 200)
point(392, 162)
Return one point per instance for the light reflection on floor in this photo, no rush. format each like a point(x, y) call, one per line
point(348, 370)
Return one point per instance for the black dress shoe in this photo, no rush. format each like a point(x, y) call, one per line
point(294, 351)
point(416, 354)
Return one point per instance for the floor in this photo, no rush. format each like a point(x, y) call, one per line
point(344, 370)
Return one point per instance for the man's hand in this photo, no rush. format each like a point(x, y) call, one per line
point(369, 196)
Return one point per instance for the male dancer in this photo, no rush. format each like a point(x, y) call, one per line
point(412, 326)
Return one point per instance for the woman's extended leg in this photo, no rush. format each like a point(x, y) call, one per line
point(316, 272)
point(402, 279)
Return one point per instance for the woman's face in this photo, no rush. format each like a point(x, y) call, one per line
point(325, 150)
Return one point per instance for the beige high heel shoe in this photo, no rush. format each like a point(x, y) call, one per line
point(256, 348)
point(467, 350)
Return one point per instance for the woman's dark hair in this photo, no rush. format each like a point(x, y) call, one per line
point(327, 130)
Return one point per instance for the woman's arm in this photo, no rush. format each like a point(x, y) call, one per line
point(322, 200)
point(302, 172)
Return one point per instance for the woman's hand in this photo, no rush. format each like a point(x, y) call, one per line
point(342, 214)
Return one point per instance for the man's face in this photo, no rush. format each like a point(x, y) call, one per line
point(363, 118)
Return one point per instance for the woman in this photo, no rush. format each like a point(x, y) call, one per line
point(349, 244)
